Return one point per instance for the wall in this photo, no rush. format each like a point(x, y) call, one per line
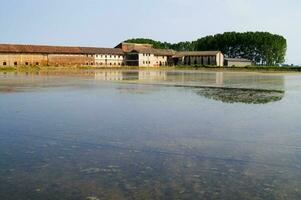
point(23, 59)
point(146, 60)
point(160, 61)
point(70, 59)
point(220, 60)
point(107, 60)
point(238, 64)
point(200, 60)
point(151, 60)
point(44, 59)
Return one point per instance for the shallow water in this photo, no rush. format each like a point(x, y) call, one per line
point(150, 135)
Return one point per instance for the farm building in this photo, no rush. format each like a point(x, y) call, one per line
point(215, 58)
point(144, 55)
point(237, 62)
point(124, 54)
point(14, 55)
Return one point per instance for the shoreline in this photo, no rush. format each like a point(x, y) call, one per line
point(263, 69)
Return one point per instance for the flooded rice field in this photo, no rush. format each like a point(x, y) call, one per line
point(115, 134)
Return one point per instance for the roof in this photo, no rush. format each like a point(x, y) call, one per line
point(158, 52)
point(16, 48)
point(196, 53)
point(144, 48)
point(128, 47)
point(237, 60)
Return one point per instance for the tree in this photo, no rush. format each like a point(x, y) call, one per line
point(262, 48)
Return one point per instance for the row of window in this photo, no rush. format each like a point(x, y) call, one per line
point(108, 56)
point(146, 62)
point(101, 63)
point(146, 54)
point(16, 63)
point(211, 57)
point(163, 57)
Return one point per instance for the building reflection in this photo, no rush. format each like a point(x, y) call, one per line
point(131, 75)
point(219, 86)
point(249, 88)
point(219, 78)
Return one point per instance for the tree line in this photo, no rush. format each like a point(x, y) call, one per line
point(262, 48)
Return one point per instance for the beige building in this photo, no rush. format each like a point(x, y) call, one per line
point(149, 57)
point(215, 58)
point(109, 57)
point(237, 62)
point(144, 55)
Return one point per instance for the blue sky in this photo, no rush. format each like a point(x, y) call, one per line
point(105, 23)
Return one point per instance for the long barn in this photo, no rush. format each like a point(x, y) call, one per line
point(14, 55)
point(124, 54)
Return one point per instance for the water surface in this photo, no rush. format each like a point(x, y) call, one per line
point(115, 134)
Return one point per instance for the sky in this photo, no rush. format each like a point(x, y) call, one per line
point(105, 23)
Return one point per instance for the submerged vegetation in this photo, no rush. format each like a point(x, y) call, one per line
point(262, 48)
point(237, 95)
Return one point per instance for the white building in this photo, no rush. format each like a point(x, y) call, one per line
point(109, 57)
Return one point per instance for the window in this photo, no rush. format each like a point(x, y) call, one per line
point(15, 63)
point(26, 63)
point(37, 63)
point(4, 63)
point(105, 56)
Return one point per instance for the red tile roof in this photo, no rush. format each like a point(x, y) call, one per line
point(13, 48)
point(196, 53)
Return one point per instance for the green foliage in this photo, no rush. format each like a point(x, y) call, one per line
point(181, 46)
point(156, 44)
point(262, 48)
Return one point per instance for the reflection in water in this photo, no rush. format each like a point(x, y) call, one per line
point(130, 75)
point(69, 136)
point(192, 78)
point(218, 79)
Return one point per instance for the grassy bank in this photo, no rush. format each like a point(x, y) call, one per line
point(248, 68)
point(180, 67)
point(20, 68)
